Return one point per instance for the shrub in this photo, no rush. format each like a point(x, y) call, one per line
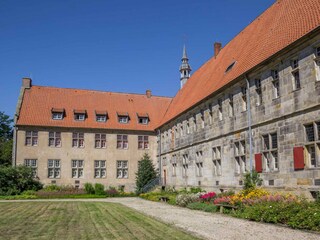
point(202, 206)
point(52, 188)
point(88, 187)
point(227, 193)
point(184, 199)
point(251, 180)
point(196, 190)
point(99, 189)
point(112, 192)
point(207, 197)
point(15, 180)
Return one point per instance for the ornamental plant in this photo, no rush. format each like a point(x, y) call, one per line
point(207, 197)
point(183, 200)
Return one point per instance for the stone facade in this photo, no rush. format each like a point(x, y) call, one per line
point(208, 145)
point(42, 152)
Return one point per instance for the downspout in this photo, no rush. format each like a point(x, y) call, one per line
point(249, 124)
point(159, 156)
point(14, 145)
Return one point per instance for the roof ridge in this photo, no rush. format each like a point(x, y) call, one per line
point(100, 91)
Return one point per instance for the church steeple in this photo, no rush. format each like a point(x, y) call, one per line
point(185, 68)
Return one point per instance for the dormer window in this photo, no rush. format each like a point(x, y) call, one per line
point(79, 115)
point(143, 118)
point(57, 114)
point(101, 116)
point(123, 117)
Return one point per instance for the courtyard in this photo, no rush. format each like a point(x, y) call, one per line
point(127, 218)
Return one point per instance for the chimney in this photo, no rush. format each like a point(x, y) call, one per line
point(148, 93)
point(217, 48)
point(26, 82)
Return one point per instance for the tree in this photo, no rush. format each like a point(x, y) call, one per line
point(5, 139)
point(5, 127)
point(146, 172)
point(251, 180)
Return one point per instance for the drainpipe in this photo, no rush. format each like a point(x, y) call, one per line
point(249, 124)
point(14, 146)
point(160, 165)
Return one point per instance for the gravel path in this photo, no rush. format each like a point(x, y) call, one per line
point(205, 225)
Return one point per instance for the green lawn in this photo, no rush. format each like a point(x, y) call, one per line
point(80, 220)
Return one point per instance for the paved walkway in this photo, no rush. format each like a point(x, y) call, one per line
point(205, 225)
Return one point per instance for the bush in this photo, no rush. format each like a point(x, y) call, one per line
point(112, 192)
point(207, 197)
point(99, 189)
point(196, 190)
point(15, 180)
point(88, 187)
point(202, 206)
point(183, 200)
point(52, 188)
point(251, 180)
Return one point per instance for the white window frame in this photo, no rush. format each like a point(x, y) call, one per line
point(54, 165)
point(54, 139)
point(122, 141)
point(143, 142)
point(100, 140)
point(78, 140)
point(32, 163)
point(77, 168)
point(122, 169)
point(31, 138)
point(100, 169)
point(270, 152)
point(57, 115)
point(101, 118)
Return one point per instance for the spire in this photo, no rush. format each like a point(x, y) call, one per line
point(184, 54)
point(185, 68)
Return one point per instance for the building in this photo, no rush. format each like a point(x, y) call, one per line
point(254, 105)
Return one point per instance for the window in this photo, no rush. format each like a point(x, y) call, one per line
point(100, 169)
point(216, 159)
point(32, 163)
point(220, 109)
point(244, 98)
point(122, 169)
point(188, 127)
point(31, 138)
point(143, 118)
point(122, 141)
point(100, 140)
point(57, 114)
point(258, 91)
point(54, 139)
point(78, 140)
point(101, 118)
point(79, 115)
point(295, 74)
point(312, 146)
point(77, 168)
point(202, 118)
point(194, 120)
point(199, 164)
point(317, 69)
point(231, 105)
point(317, 52)
point(210, 115)
point(276, 84)
point(181, 130)
point(143, 142)
point(123, 117)
point(240, 157)
point(185, 160)
point(174, 165)
point(54, 168)
point(270, 152)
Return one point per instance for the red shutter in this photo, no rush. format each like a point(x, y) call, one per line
point(298, 158)
point(258, 160)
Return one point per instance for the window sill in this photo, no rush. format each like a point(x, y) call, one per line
point(296, 90)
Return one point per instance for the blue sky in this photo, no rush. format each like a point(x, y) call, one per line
point(112, 45)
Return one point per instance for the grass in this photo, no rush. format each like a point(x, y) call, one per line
point(80, 220)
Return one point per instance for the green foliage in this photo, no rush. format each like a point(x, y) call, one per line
point(88, 187)
point(52, 188)
point(203, 206)
point(146, 172)
point(112, 192)
point(251, 180)
point(5, 126)
point(15, 180)
point(303, 215)
point(99, 189)
point(196, 190)
point(226, 194)
point(6, 152)
point(155, 196)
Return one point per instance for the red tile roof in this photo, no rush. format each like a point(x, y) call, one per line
point(280, 25)
point(39, 101)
